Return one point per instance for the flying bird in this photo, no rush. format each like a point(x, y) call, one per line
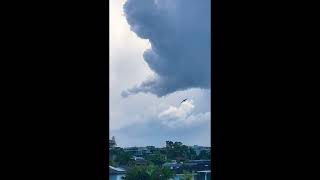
point(183, 101)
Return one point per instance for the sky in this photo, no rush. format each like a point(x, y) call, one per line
point(159, 55)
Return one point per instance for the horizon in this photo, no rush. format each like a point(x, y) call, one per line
point(162, 146)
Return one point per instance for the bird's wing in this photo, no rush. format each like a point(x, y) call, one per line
point(183, 100)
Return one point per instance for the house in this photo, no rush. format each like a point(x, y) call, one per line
point(112, 142)
point(151, 149)
point(172, 165)
point(197, 175)
point(137, 151)
point(199, 169)
point(137, 158)
point(203, 175)
point(181, 176)
point(198, 149)
point(116, 173)
point(197, 165)
point(140, 162)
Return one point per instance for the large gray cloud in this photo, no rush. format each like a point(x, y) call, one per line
point(179, 34)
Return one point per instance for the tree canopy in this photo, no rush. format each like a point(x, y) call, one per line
point(150, 172)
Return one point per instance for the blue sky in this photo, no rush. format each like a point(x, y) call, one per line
point(160, 55)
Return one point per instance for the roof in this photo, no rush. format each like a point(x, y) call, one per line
point(195, 166)
point(114, 170)
point(199, 161)
point(207, 171)
point(171, 165)
point(111, 142)
point(137, 158)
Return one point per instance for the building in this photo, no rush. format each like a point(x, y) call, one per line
point(152, 149)
point(172, 165)
point(136, 158)
point(203, 175)
point(198, 149)
point(199, 169)
point(138, 161)
point(137, 151)
point(181, 176)
point(197, 165)
point(116, 173)
point(112, 142)
point(198, 175)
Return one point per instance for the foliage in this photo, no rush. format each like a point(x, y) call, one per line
point(157, 158)
point(167, 173)
point(178, 151)
point(172, 151)
point(204, 155)
point(150, 172)
point(137, 173)
point(192, 155)
point(119, 157)
point(123, 158)
point(186, 175)
point(152, 168)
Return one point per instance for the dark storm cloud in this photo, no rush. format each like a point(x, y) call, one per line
point(179, 34)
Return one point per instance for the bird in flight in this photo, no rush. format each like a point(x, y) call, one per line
point(183, 101)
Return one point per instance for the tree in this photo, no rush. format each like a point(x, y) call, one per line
point(157, 158)
point(137, 173)
point(204, 155)
point(169, 144)
point(186, 175)
point(178, 151)
point(167, 173)
point(123, 158)
point(119, 157)
point(192, 154)
point(150, 172)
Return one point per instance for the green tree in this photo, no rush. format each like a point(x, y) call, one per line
point(192, 154)
point(137, 173)
point(167, 173)
point(204, 155)
point(177, 151)
point(150, 169)
point(157, 158)
point(186, 175)
point(123, 158)
point(119, 157)
point(150, 172)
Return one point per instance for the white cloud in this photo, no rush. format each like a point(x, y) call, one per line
point(126, 64)
point(177, 112)
point(175, 117)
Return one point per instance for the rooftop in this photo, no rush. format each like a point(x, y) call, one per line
point(115, 170)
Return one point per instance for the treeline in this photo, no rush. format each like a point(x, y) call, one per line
point(172, 151)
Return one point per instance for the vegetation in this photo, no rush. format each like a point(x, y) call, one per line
point(151, 166)
point(186, 175)
point(180, 152)
point(173, 151)
point(119, 157)
point(204, 155)
point(157, 158)
point(150, 172)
